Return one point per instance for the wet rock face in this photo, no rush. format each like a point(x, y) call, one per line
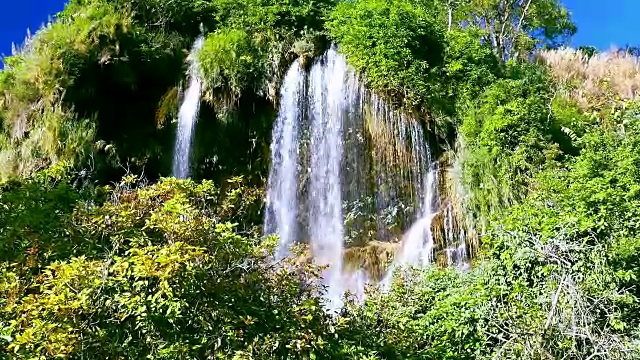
point(374, 258)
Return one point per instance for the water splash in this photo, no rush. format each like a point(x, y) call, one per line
point(282, 190)
point(417, 243)
point(355, 283)
point(188, 115)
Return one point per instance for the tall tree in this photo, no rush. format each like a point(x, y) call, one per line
point(515, 27)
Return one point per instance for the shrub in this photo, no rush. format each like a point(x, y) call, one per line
point(233, 62)
point(507, 136)
point(168, 277)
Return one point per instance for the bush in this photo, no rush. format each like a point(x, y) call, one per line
point(169, 277)
point(507, 136)
point(429, 314)
point(233, 62)
point(37, 220)
point(575, 237)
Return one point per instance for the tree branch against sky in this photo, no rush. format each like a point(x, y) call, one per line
point(515, 27)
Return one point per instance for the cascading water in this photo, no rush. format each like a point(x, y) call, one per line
point(187, 116)
point(462, 250)
point(401, 164)
point(417, 243)
point(282, 191)
point(417, 247)
point(328, 105)
point(456, 250)
point(353, 159)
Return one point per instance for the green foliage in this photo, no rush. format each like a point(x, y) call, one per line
point(39, 129)
point(507, 136)
point(515, 28)
point(163, 302)
point(589, 51)
point(558, 273)
point(177, 269)
point(170, 278)
point(180, 16)
point(470, 65)
point(270, 15)
point(396, 44)
point(36, 221)
point(405, 52)
point(252, 46)
point(233, 62)
point(578, 228)
point(435, 314)
point(58, 91)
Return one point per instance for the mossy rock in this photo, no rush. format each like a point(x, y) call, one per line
point(374, 258)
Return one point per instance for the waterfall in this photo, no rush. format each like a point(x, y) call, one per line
point(346, 166)
point(417, 243)
point(456, 250)
point(325, 105)
point(187, 116)
point(282, 189)
point(328, 105)
point(401, 164)
point(462, 250)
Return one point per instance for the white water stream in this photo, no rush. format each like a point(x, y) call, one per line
point(187, 116)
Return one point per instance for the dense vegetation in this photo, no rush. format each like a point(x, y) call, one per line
point(102, 257)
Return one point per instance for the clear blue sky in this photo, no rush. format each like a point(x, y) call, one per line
point(605, 23)
point(18, 15)
point(601, 23)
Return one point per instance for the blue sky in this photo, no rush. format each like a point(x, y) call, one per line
point(605, 23)
point(600, 23)
point(18, 15)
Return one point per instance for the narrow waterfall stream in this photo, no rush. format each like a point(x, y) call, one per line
point(187, 116)
point(417, 243)
point(282, 188)
point(328, 105)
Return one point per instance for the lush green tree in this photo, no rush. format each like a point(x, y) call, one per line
point(506, 136)
point(515, 27)
point(398, 45)
point(588, 50)
point(578, 229)
point(59, 90)
point(168, 277)
point(405, 52)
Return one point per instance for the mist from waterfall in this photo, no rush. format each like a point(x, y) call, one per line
point(187, 116)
